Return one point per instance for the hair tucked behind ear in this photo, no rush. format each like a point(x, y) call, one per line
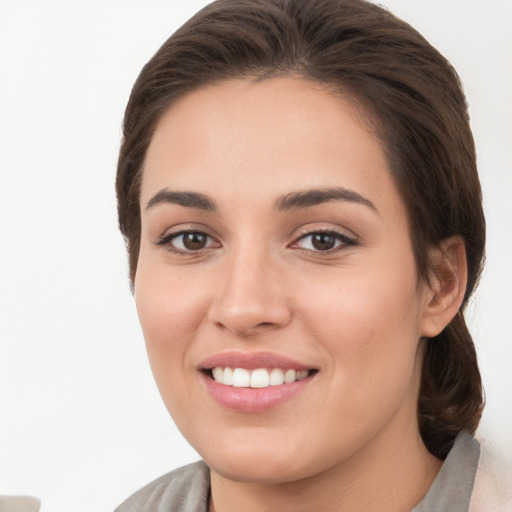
point(414, 103)
point(451, 389)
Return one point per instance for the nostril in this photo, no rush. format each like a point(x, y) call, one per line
point(246, 315)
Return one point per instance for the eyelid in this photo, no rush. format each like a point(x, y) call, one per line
point(186, 227)
point(345, 240)
point(162, 240)
point(165, 240)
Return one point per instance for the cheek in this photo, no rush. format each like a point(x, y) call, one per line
point(374, 365)
point(170, 311)
point(168, 303)
point(369, 324)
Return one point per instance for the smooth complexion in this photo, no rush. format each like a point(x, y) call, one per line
point(273, 235)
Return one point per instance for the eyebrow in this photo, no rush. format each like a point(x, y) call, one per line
point(314, 197)
point(187, 199)
point(292, 201)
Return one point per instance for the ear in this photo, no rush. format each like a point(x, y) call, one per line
point(447, 285)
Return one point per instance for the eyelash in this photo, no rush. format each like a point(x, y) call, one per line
point(342, 242)
point(167, 242)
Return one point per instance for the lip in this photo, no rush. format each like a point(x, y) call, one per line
point(252, 361)
point(253, 400)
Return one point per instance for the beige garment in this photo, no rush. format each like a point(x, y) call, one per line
point(19, 504)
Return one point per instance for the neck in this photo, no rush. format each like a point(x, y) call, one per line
point(391, 474)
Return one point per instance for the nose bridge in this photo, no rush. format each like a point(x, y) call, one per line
point(250, 296)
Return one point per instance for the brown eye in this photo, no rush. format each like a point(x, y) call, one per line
point(194, 240)
point(323, 241)
point(187, 242)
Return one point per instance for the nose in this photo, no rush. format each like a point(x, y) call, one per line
point(251, 297)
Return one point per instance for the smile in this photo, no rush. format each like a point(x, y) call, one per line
point(257, 378)
point(256, 381)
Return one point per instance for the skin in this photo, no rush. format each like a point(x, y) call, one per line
point(357, 313)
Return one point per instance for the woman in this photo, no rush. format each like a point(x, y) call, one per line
point(298, 191)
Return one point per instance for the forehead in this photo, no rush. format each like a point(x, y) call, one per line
point(280, 132)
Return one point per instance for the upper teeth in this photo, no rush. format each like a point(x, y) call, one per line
point(260, 378)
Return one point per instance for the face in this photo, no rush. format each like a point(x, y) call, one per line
point(276, 285)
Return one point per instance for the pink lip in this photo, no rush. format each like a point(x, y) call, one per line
point(249, 399)
point(252, 361)
point(253, 400)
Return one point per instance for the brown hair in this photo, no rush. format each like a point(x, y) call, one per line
point(414, 97)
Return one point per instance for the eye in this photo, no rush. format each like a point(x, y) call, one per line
point(323, 241)
point(187, 241)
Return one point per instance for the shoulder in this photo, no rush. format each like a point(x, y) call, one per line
point(184, 490)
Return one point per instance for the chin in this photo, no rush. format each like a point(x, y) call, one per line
point(260, 469)
point(251, 454)
point(265, 458)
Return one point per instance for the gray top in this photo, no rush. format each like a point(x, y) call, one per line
point(187, 489)
point(453, 486)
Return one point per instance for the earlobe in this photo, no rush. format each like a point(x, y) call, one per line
point(447, 285)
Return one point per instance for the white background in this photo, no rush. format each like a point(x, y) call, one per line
point(81, 422)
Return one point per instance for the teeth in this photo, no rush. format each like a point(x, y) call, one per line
point(241, 378)
point(276, 377)
point(289, 376)
point(302, 374)
point(218, 374)
point(228, 376)
point(260, 378)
